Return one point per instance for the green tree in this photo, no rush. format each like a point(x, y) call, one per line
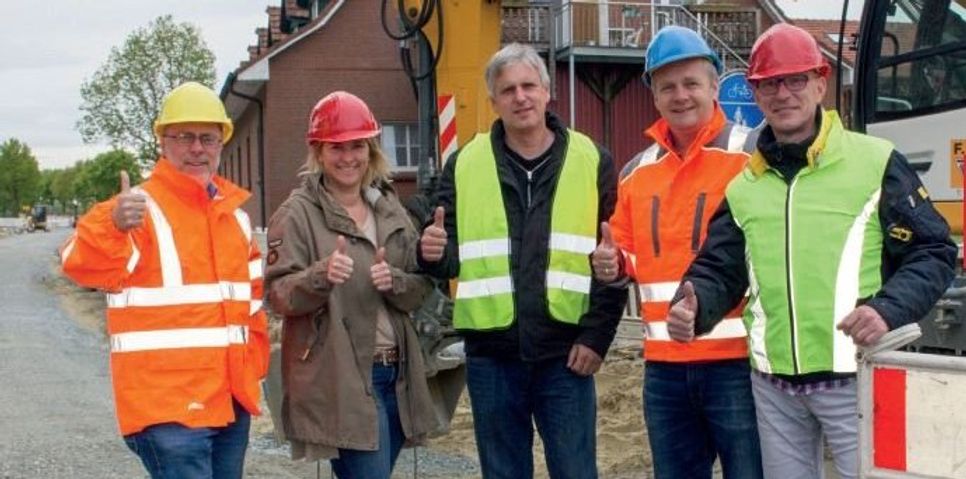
point(121, 101)
point(100, 178)
point(62, 188)
point(19, 176)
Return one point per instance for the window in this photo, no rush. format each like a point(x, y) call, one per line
point(400, 142)
point(923, 55)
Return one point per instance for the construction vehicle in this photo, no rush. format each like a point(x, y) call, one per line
point(910, 88)
point(37, 219)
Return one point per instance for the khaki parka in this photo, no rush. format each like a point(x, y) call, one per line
point(329, 331)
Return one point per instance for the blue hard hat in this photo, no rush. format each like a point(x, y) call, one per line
point(673, 44)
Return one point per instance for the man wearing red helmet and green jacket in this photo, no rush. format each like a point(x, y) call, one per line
point(833, 237)
point(697, 396)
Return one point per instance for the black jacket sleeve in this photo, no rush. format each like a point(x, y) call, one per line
point(719, 273)
point(599, 323)
point(449, 265)
point(918, 257)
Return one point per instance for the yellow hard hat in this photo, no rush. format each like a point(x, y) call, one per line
point(192, 102)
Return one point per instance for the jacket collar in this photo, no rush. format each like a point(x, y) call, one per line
point(388, 218)
point(825, 141)
point(660, 131)
point(227, 195)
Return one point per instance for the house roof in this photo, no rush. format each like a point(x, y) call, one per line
point(825, 29)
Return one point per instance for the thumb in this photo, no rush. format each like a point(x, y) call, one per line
point(605, 237)
point(125, 182)
point(438, 217)
point(340, 244)
point(690, 298)
point(380, 255)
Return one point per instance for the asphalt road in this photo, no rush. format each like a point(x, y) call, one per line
point(56, 411)
point(56, 405)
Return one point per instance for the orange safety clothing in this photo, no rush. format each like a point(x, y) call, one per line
point(184, 309)
point(664, 203)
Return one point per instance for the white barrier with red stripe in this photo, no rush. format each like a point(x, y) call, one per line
point(446, 109)
point(912, 409)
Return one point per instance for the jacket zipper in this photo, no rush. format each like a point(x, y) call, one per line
point(788, 274)
point(655, 210)
point(698, 216)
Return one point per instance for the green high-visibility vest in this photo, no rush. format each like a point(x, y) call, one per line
point(484, 296)
point(814, 248)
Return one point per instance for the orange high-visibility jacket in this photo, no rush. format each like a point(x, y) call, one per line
point(184, 309)
point(663, 207)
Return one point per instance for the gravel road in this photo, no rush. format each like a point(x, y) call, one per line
point(56, 409)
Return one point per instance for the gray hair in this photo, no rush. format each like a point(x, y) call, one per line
point(515, 53)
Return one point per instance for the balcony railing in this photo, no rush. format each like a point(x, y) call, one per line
point(629, 24)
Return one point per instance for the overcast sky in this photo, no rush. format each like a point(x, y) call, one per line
point(51, 47)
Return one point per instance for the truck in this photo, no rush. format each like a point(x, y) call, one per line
point(910, 88)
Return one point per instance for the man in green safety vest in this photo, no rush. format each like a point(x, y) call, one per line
point(518, 216)
point(834, 238)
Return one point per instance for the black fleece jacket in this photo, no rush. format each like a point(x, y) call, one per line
point(534, 335)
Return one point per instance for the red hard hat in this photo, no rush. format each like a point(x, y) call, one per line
point(339, 117)
point(785, 49)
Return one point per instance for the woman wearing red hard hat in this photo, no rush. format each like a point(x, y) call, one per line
point(341, 265)
point(833, 237)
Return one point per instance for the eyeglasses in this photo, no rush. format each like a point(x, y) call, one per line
point(769, 86)
point(188, 139)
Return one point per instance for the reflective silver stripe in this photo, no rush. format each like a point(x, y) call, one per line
point(183, 294)
point(179, 338)
point(647, 157)
point(658, 291)
point(737, 138)
point(256, 304)
point(170, 264)
point(568, 281)
point(484, 287)
point(132, 262)
point(67, 249)
point(245, 223)
point(572, 243)
point(726, 329)
point(255, 269)
point(484, 248)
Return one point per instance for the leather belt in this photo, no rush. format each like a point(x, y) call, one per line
point(386, 356)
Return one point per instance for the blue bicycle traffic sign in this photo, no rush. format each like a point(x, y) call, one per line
point(737, 100)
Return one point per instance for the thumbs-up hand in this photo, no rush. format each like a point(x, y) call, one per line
point(680, 319)
point(128, 212)
point(381, 274)
point(433, 242)
point(606, 258)
point(339, 264)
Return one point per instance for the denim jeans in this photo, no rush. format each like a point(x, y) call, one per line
point(378, 464)
point(508, 396)
point(174, 451)
point(696, 411)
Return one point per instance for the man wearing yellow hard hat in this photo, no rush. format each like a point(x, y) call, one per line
point(184, 286)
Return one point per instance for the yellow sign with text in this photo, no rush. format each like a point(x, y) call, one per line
point(957, 157)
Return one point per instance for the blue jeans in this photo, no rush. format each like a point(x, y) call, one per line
point(378, 464)
point(508, 396)
point(174, 451)
point(697, 411)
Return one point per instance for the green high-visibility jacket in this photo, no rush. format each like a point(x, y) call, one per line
point(813, 249)
point(484, 295)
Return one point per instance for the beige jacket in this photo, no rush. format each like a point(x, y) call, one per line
point(329, 330)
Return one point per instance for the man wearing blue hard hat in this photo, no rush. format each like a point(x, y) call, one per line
point(698, 403)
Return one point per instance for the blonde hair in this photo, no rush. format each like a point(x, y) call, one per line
point(377, 173)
